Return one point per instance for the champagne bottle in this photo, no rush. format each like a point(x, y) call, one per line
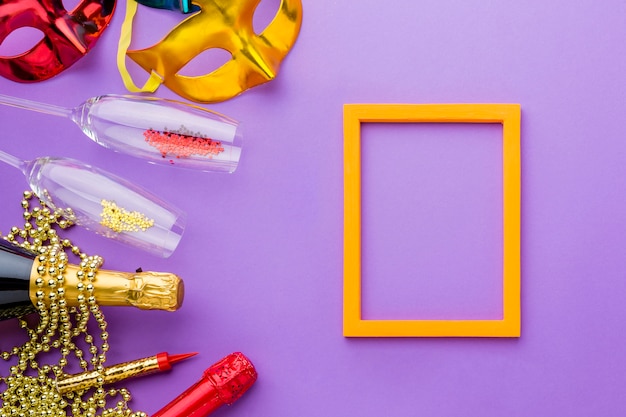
point(144, 290)
point(15, 268)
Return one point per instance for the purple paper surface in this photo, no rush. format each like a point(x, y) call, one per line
point(262, 256)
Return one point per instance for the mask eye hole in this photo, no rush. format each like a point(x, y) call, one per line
point(20, 40)
point(70, 5)
point(206, 62)
point(264, 13)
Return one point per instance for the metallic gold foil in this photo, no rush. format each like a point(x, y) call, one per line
point(227, 25)
point(110, 375)
point(144, 290)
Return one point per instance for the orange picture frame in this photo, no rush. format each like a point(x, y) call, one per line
point(509, 115)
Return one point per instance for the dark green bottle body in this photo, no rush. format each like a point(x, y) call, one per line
point(15, 269)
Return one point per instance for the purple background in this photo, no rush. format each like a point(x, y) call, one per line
point(262, 255)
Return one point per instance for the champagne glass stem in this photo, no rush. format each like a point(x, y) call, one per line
point(13, 161)
point(35, 106)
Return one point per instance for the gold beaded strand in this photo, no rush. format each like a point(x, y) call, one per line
point(29, 388)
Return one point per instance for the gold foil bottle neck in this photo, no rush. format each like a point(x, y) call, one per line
point(144, 290)
point(156, 291)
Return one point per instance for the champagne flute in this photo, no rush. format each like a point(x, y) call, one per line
point(103, 202)
point(158, 130)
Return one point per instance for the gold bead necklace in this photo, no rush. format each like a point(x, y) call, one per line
point(63, 332)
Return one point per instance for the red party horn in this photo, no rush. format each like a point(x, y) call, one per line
point(222, 383)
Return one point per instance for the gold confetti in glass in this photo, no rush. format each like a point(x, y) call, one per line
point(104, 203)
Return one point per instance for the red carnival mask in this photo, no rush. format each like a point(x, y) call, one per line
point(67, 36)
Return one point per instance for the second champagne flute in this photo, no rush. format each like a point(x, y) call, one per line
point(104, 203)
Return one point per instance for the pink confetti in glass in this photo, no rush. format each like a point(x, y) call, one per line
point(182, 145)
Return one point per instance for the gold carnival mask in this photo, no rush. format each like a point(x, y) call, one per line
point(224, 24)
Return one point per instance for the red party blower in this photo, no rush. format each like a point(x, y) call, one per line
point(222, 383)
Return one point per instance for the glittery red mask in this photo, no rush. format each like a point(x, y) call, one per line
point(68, 36)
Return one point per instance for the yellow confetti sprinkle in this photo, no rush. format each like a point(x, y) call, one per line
point(120, 220)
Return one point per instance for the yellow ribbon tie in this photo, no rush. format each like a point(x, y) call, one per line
point(155, 80)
